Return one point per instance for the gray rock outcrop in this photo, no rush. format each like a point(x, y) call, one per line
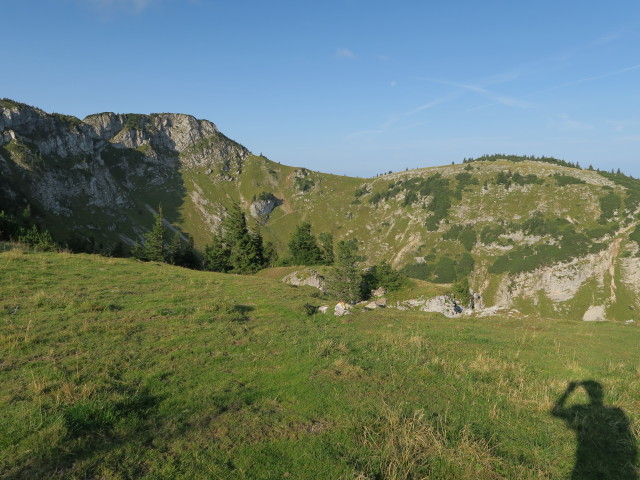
point(379, 292)
point(342, 309)
point(261, 208)
point(306, 277)
point(595, 313)
point(107, 163)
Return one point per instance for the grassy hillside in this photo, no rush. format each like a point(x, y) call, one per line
point(537, 234)
point(112, 368)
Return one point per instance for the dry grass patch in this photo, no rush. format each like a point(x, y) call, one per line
point(417, 445)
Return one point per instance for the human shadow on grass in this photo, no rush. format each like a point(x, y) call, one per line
point(606, 446)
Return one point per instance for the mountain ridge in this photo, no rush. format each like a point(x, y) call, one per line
point(540, 236)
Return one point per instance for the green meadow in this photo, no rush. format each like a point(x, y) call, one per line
point(117, 369)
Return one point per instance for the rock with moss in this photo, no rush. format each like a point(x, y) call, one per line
point(306, 276)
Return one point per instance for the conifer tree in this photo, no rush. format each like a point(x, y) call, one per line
point(216, 255)
point(235, 249)
point(326, 248)
point(346, 281)
point(270, 254)
point(303, 246)
point(155, 249)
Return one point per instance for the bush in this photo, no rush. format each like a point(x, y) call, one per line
point(572, 244)
point(564, 180)
point(460, 291)
point(309, 309)
point(465, 235)
point(491, 234)
point(445, 270)
point(609, 205)
point(384, 275)
point(529, 179)
point(37, 239)
point(421, 271)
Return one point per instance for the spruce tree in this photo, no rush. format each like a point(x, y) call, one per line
point(346, 280)
point(303, 246)
point(154, 245)
point(174, 252)
point(216, 255)
point(270, 254)
point(235, 249)
point(326, 247)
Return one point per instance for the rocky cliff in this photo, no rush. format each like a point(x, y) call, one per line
point(538, 235)
point(94, 172)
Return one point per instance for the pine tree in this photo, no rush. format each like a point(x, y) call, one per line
point(235, 249)
point(270, 254)
point(174, 252)
point(303, 247)
point(326, 248)
point(154, 245)
point(346, 280)
point(216, 255)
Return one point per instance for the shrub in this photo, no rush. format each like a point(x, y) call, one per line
point(384, 275)
point(460, 291)
point(609, 204)
point(564, 180)
point(491, 234)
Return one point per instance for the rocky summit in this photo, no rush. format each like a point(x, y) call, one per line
point(537, 235)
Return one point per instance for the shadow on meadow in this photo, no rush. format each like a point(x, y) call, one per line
point(606, 447)
point(93, 429)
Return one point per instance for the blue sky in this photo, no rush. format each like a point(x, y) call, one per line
point(349, 87)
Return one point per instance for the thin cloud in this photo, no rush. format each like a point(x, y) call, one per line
point(565, 122)
point(561, 85)
point(586, 79)
point(497, 98)
point(110, 5)
point(394, 119)
point(345, 53)
point(607, 38)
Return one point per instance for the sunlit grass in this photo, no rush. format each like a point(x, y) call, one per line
point(114, 368)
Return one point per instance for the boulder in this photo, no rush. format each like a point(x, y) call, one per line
point(595, 313)
point(341, 309)
point(379, 292)
point(306, 277)
point(442, 304)
point(381, 302)
point(371, 306)
point(323, 309)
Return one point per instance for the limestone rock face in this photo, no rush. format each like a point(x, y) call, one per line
point(261, 208)
point(595, 313)
point(107, 162)
point(442, 304)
